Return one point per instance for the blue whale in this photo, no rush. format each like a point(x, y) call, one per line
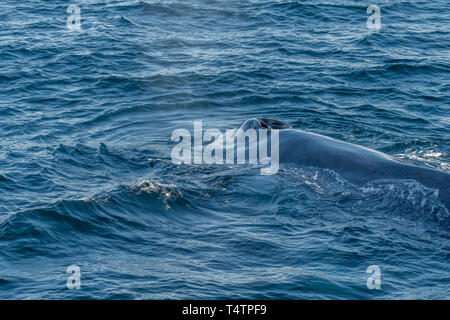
point(354, 163)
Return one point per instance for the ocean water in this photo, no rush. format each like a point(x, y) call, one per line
point(86, 177)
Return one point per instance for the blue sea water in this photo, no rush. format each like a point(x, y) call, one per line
point(86, 178)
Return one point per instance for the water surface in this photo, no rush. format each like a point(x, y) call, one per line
point(86, 176)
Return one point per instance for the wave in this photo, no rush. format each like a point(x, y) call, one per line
point(116, 213)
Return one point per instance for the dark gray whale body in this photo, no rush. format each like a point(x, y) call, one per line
point(354, 163)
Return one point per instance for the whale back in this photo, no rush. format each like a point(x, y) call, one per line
point(355, 163)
